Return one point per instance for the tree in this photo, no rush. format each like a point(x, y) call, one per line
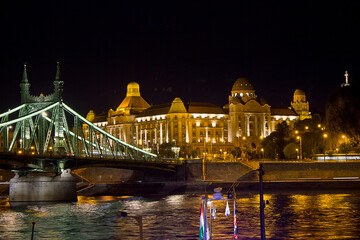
point(165, 150)
point(343, 112)
point(345, 148)
point(290, 150)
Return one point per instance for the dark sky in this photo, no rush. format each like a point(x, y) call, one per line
point(194, 50)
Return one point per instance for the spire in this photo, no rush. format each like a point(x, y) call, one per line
point(25, 78)
point(57, 77)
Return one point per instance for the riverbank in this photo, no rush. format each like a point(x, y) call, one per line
point(171, 188)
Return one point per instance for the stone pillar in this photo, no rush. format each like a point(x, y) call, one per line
point(161, 133)
point(180, 131)
point(190, 133)
point(155, 135)
point(167, 132)
point(229, 131)
point(137, 134)
point(171, 131)
point(206, 133)
point(61, 188)
point(187, 131)
point(145, 141)
point(256, 125)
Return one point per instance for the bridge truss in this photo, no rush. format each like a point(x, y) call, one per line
point(56, 129)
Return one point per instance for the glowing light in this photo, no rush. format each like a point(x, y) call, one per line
point(325, 135)
point(244, 138)
point(306, 127)
point(198, 123)
point(296, 131)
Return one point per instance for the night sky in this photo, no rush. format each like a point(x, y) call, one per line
point(194, 50)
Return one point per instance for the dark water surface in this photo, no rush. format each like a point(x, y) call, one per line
point(288, 216)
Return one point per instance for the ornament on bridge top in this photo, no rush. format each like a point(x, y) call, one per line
point(26, 97)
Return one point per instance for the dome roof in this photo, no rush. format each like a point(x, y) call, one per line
point(133, 89)
point(299, 92)
point(242, 84)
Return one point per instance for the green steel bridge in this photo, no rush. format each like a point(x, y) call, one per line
point(44, 134)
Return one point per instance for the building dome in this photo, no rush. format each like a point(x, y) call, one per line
point(299, 92)
point(242, 84)
point(133, 89)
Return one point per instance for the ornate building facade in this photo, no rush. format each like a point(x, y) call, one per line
point(200, 128)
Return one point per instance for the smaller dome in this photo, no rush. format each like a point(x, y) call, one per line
point(133, 89)
point(299, 92)
point(242, 84)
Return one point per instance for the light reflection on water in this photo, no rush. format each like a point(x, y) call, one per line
point(288, 216)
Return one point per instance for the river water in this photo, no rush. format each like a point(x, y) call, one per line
point(287, 216)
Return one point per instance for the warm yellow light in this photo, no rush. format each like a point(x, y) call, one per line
point(325, 135)
point(297, 149)
point(33, 153)
point(296, 131)
point(262, 149)
point(343, 136)
point(319, 125)
point(261, 137)
point(298, 137)
point(50, 148)
point(32, 147)
point(306, 127)
point(244, 138)
point(19, 152)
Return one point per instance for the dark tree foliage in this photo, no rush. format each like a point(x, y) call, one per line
point(165, 150)
point(290, 150)
point(343, 112)
point(275, 143)
point(345, 148)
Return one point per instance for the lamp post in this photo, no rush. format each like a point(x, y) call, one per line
point(300, 153)
point(297, 153)
point(325, 136)
point(262, 153)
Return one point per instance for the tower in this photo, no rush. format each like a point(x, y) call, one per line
point(25, 87)
point(300, 105)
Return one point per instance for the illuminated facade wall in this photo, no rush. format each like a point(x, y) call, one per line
point(200, 127)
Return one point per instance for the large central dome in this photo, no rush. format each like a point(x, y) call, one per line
point(242, 84)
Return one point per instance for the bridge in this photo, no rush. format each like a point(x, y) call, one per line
point(45, 135)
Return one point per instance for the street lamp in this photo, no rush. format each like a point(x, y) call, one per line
point(325, 136)
point(262, 153)
point(297, 153)
point(300, 155)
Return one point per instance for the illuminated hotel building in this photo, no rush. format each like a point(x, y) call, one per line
point(200, 127)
